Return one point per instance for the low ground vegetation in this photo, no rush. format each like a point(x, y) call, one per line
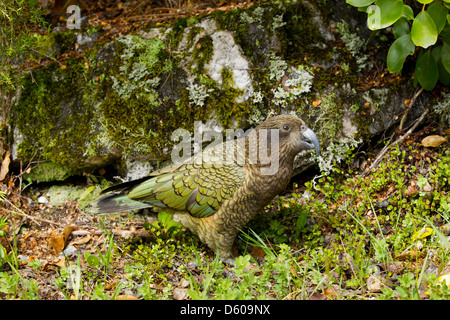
point(341, 236)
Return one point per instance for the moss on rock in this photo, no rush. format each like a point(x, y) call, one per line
point(125, 98)
point(49, 171)
point(52, 119)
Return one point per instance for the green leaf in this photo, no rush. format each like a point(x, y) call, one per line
point(401, 27)
point(402, 292)
point(384, 13)
point(425, 1)
point(445, 33)
point(439, 15)
point(426, 71)
point(444, 75)
point(399, 50)
point(436, 52)
point(359, 3)
point(445, 56)
point(423, 31)
point(422, 233)
point(92, 260)
point(443, 239)
point(407, 13)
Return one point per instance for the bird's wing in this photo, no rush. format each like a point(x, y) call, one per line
point(199, 189)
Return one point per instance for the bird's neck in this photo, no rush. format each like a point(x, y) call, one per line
point(271, 180)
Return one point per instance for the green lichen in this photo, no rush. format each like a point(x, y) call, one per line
point(141, 66)
point(208, 98)
point(133, 80)
point(136, 118)
point(355, 45)
point(198, 93)
point(298, 83)
point(443, 109)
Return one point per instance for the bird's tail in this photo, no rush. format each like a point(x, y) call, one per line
point(115, 202)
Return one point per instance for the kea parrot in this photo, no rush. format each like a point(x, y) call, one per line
point(216, 192)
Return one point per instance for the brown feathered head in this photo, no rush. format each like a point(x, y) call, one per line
point(277, 141)
point(293, 133)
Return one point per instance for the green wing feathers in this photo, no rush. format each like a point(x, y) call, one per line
point(199, 189)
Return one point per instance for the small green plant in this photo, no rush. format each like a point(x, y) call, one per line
point(201, 292)
point(429, 30)
point(3, 225)
point(165, 224)
point(407, 289)
point(103, 259)
point(12, 283)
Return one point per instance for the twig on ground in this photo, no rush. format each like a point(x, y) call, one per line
point(403, 137)
point(413, 100)
point(122, 233)
point(20, 212)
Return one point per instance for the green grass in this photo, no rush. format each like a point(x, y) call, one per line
point(330, 239)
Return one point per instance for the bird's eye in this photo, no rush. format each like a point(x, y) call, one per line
point(286, 128)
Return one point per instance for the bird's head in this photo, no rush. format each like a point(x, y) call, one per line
point(294, 135)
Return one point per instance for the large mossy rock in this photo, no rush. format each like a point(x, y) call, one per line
point(118, 102)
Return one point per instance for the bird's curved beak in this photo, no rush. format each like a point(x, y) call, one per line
point(311, 140)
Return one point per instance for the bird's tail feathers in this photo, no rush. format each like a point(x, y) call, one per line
point(115, 202)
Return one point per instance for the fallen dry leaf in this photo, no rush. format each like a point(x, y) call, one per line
point(330, 292)
point(374, 283)
point(433, 141)
point(410, 255)
point(184, 283)
point(81, 240)
point(445, 229)
point(4, 169)
point(61, 263)
point(411, 190)
point(318, 296)
point(66, 232)
point(126, 297)
point(180, 294)
point(57, 243)
point(394, 266)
